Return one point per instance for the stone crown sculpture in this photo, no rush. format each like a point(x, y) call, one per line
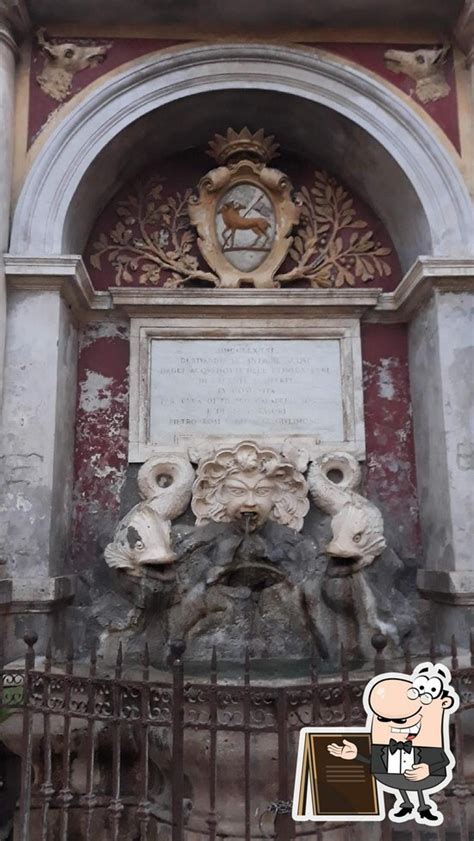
point(242, 143)
point(357, 524)
point(143, 536)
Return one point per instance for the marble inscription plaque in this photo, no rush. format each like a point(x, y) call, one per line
point(245, 389)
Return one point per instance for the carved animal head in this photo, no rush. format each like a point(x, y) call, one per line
point(230, 205)
point(63, 61)
point(70, 56)
point(424, 67)
point(142, 537)
point(357, 537)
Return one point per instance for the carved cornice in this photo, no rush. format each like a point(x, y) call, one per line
point(455, 587)
point(427, 275)
point(64, 274)
point(68, 275)
point(35, 595)
point(247, 302)
point(14, 22)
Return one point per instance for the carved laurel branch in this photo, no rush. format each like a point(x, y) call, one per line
point(328, 249)
point(153, 236)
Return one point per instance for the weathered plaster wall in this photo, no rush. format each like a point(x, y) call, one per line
point(101, 438)
point(456, 353)
point(390, 475)
point(444, 111)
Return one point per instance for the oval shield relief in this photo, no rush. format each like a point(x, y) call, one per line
point(245, 226)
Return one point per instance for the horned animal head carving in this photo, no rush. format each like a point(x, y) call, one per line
point(425, 67)
point(63, 61)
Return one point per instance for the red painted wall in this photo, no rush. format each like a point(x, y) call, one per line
point(101, 437)
point(370, 56)
point(123, 50)
point(390, 474)
point(444, 111)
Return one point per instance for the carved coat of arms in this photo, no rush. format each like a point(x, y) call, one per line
point(244, 211)
point(251, 229)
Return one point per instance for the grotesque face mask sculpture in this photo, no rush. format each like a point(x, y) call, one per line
point(249, 485)
point(248, 498)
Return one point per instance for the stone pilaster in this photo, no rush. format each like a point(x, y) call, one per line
point(441, 374)
point(13, 25)
point(36, 458)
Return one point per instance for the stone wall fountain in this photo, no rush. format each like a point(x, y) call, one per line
point(285, 560)
point(262, 575)
point(250, 573)
point(260, 572)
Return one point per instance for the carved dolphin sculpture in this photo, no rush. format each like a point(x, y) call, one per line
point(357, 525)
point(143, 535)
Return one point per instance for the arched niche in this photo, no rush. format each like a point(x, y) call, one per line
point(316, 104)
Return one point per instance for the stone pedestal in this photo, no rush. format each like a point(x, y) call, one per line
point(441, 374)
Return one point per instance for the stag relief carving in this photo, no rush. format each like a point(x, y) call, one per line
point(63, 61)
point(425, 67)
point(143, 536)
point(357, 524)
point(234, 221)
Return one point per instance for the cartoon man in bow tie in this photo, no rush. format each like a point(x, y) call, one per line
point(409, 718)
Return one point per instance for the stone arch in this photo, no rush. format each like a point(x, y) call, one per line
point(47, 214)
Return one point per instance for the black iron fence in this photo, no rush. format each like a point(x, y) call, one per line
point(139, 757)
